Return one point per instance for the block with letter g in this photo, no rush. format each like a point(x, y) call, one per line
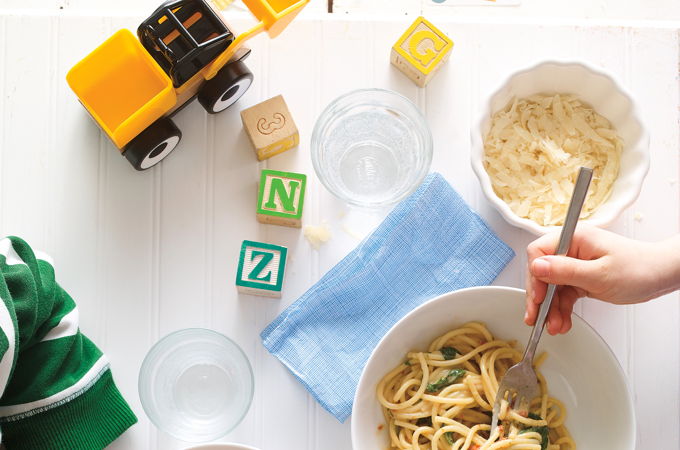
point(420, 51)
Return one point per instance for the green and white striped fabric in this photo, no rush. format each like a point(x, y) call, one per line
point(56, 388)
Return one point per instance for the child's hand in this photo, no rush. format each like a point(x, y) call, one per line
point(601, 265)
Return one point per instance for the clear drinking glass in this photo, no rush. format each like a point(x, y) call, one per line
point(371, 147)
point(196, 385)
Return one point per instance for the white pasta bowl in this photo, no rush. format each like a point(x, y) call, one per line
point(580, 369)
point(601, 91)
point(222, 447)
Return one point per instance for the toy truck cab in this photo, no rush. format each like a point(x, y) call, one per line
point(183, 37)
point(131, 86)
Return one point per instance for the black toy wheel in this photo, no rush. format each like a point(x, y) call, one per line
point(222, 91)
point(153, 144)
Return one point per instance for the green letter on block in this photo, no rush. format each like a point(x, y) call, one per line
point(277, 188)
point(266, 259)
point(281, 197)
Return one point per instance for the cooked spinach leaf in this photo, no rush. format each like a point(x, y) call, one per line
point(449, 352)
point(424, 422)
point(449, 437)
point(451, 377)
point(543, 431)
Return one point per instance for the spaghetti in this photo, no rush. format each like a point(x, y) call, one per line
point(443, 398)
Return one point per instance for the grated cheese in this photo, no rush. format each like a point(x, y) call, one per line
point(317, 235)
point(535, 147)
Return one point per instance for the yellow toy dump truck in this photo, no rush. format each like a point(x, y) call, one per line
point(132, 86)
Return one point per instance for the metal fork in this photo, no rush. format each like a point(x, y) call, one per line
point(520, 380)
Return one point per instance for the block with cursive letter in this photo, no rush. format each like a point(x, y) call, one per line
point(281, 197)
point(270, 127)
point(261, 268)
point(420, 51)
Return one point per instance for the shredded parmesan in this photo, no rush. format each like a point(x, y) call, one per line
point(535, 147)
point(317, 235)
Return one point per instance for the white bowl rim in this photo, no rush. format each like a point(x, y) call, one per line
point(222, 445)
point(440, 298)
point(477, 150)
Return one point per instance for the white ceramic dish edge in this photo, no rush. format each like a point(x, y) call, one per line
point(357, 422)
point(219, 446)
point(634, 179)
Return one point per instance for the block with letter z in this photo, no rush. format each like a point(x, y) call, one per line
point(261, 269)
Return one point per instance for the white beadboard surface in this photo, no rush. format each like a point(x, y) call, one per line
point(148, 253)
point(658, 10)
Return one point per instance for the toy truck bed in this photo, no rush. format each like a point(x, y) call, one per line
point(122, 87)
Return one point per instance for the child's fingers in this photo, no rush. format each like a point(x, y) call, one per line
point(535, 294)
point(544, 245)
point(568, 297)
point(531, 311)
point(535, 289)
point(538, 289)
point(554, 321)
point(566, 271)
point(559, 318)
point(528, 299)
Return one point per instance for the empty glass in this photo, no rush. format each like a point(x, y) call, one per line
point(371, 147)
point(196, 385)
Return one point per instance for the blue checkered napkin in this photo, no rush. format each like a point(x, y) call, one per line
point(431, 243)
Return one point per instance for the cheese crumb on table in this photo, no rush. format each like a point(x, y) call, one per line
point(317, 235)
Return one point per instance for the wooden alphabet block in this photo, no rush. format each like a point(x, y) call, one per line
point(280, 198)
point(270, 127)
point(261, 269)
point(420, 51)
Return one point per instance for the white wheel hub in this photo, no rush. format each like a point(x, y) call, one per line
point(159, 152)
point(241, 87)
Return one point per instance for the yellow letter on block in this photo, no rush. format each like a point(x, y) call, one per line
point(420, 51)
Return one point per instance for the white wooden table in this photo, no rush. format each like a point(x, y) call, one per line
point(148, 253)
point(659, 10)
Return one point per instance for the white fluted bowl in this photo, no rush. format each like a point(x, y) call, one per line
point(607, 97)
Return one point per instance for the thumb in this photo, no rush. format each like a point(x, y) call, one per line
point(567, 271)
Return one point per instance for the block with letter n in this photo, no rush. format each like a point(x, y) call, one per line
point(261, 269)
point(420, 51)
point(281, 197)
